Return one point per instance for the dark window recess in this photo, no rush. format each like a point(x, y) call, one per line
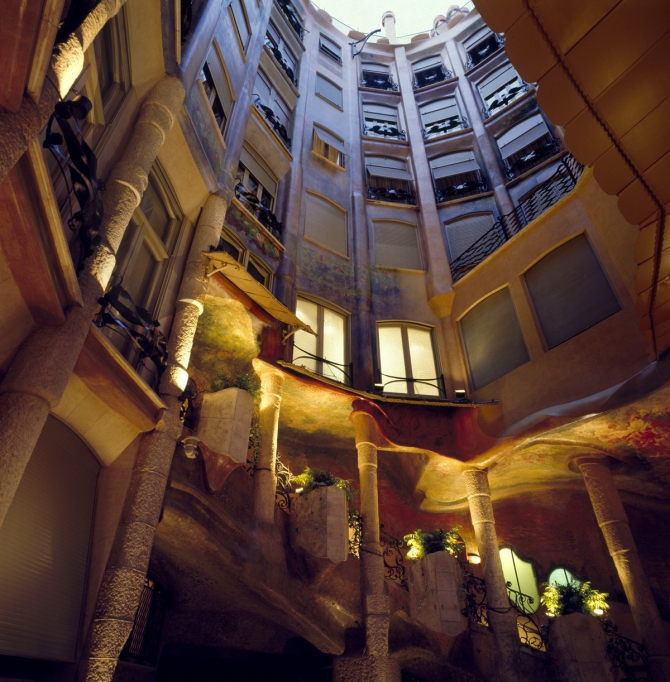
point(256, 273)
point(143, 645)
point(570, 291)
point(292, 17)
point(390, 189)
point(483, 49)
point(331, 49)
point(531, 155)
point(213, 97)
point(230, 249)
point(433, 74)
point(461, 185)
point(282, 59)
point(378, 81)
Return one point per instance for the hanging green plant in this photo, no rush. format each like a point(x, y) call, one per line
point(561, 600)
point(422, 543)
point(247, 381)
point(311, 479)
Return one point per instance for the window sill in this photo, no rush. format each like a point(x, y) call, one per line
point(283, 73)
point(391, 268)
point(331, 165)
point(430, 86)
point(385, 140)
point(394, 204)
point(376, 91)
point(325, 99)
point(268, 128)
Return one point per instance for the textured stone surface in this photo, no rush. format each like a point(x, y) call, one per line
point(118, 595)
point(579, 649)
point(225, 421)
point(435, 592)
point(319, 523)
point(365, 669)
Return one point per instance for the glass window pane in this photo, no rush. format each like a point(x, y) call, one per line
point(304, 344)
point(333, 344)
point(392, 359)
point(256, 273)
point(561, 576)
point(137, 279)
point(422, 361)
point(521, 575)
point(154, 211)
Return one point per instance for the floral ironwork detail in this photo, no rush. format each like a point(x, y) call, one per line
point(398, 196)
point(378, 81)
point(531, 632)
point(443, 127)
point(355, 532)
point(273, 121)
point(284, 486)
point(293, 17)
point(279, 57)
point(378, 129)
point(394, 561)
point(626, 655)
point(262, 213)
point(474, 589)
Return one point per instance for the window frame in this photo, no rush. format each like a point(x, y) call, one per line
point(245, 15)
point(323, 97)
point(281, 45)
point(326, 49)
point(323, 304)
point(246, 256)
point(409, 379)
point(317, 141)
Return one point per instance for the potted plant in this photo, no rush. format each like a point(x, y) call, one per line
point(575, 597)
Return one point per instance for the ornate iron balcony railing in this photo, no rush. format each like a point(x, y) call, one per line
point(543, 197)
point(531, 159)
point(292, 17)
point(335, 368)
point(273, 121)
point(378, 129)
point(437, 382)
point(505, 97)
point(626, 655)
point(378, 81)
point(483, 49)
point(430, 76)
point(450, 125)
point(394, 561)
point(262, 213)
point(279, 57)
point(460, 190)
point(396, 195)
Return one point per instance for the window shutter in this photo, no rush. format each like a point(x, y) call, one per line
point(476, 37)
point(220, 80)
point(453, 164)
point(259, 170)
point(570, 291)
point(379, 112)
point(329, 138)
point(331, 45)
point(304, 342)
point(396, 245)
point(422, 360)
point(44, 545)
point(326, 223)
point(428, 63)
point(464, 232)
point(332, 335)
point(329, 90)
point(392, 358)
point(376, 68)
point(497, 80)
point(521, 135)
point(439, 111)
point(273, 33)
point(494, 344)
point(240, 22)
point(382, 167)
point(262, 88)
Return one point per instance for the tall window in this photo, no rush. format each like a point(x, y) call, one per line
point(429, 71)
point(389, 179)
point(216, 87)
point(526, 144)
point(396, 245)
point(252, 264)
point(331, 48)
point(329, 91)
point(329, 146)
point(570, 291)
point(326, 223)
point(441, 117)
point(282, 53)
point(274, 107)
point(407, 360)
point(377, 76)
point(381, 121)
point(494, 343)
point(500, 88)
point(257, 178)
point(456, 175)
point(520, 578)
point(480, 45)
point(240, 19)
point(561, 576)
point(325, 354)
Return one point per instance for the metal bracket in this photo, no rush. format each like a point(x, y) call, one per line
point(362, 40)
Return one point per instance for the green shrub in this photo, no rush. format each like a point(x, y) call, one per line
point(422, 543)
point(561, 600)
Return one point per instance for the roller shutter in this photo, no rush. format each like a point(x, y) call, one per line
point(326, 223)
point(521, 135)
point(396, 245)
point(464, 232)
point(329, 90)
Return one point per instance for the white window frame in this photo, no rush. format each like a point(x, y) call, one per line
point(245, 256)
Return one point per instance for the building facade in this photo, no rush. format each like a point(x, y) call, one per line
point(241, 242)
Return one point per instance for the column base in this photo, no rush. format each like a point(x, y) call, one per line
point(365, 669)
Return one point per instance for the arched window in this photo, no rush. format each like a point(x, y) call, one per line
point(561, 576)
point(521, 581)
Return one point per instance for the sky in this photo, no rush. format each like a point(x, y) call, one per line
point(413, 16)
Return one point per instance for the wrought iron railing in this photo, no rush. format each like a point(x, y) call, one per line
point(273, 121)
point(451, 125)
point(394, 561)
point(396, 195)
point(460, 190)
point(292, 16)
point(505, 97)
point(120, 313)
point(378, 81)
point(431, 76)
point(262, 213)
point(531, 632)
point(279, 57)
point(544, 196)
point(474, 591)
point(483, 49)
point(143, 645)
point(626, 655)
point(532, 158)
point(344, 370)
point(284, 486)
point(436, 383)
point(384, 130)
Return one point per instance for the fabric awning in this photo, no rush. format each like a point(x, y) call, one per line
point(375, 68)
point(381, 167)
point(329, 139)
point(453, 164)
point(439, 111)
point(522, 135)
point(235, 273)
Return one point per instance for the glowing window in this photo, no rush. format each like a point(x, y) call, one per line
point(520, 579)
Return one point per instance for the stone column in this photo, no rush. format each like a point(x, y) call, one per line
point(119, 594)
point(613, 522)
point(265, 479)
point(376, 663)
point(502, 618)
point(40, 371)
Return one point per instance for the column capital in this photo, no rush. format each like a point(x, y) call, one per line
point(365, 427)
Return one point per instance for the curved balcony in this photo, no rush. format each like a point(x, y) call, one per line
point(262, 213)
point(273, 122)
point(378, 81)
point(385, 130)
point(449, 125)
point(293, 17)
point(531, 156)
point(483, 49)
point(460, 189)
point(394, 194)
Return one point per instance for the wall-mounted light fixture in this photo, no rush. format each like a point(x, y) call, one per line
point(474, 558)
point(190, 445)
